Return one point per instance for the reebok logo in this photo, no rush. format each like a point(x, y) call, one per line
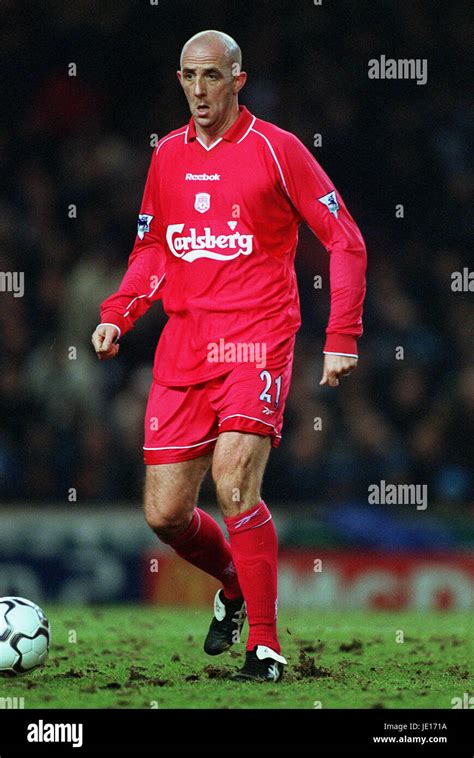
point(246, 519)
point(203, 177)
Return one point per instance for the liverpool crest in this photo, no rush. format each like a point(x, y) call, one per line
point(202, 202)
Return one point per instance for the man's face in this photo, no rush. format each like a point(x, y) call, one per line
point(210, 81)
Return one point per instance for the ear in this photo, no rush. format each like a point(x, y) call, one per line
point(239, 82)
point(180, 77)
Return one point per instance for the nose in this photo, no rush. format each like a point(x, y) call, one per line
point(199, 87)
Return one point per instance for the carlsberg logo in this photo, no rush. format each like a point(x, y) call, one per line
point(192, 246)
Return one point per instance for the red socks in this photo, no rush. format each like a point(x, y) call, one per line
point(204, 545)
point(254, 545)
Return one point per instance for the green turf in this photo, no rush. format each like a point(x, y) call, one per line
point(142, 657)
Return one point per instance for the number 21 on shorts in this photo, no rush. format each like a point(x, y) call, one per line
point(266, 394)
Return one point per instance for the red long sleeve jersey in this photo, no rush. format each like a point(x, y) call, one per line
point(217, 236)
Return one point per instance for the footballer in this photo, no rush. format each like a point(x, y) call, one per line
point(216, 241)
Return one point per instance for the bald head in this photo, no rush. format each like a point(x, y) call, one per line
point(217, 43)
point(211, 77)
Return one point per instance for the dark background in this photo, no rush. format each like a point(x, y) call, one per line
point(85, 140)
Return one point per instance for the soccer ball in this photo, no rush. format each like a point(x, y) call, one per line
point(24, 636)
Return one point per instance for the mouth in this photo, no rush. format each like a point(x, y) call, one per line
point(202, 110)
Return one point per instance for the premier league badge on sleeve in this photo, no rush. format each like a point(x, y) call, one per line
point(330, 201)
point(202, 202)
point(144, 221)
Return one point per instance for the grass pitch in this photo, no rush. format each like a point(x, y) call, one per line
point(149, 657)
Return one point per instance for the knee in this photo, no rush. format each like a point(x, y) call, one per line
point(229, 486)
point(166, 521)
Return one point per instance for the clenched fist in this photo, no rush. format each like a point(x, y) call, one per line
point(103, 341)
point(336, 366)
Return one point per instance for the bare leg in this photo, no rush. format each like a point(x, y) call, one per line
point(237, 469)
point(171, 492)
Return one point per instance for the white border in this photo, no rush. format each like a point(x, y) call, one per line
point(165, 139)
point(181, 447)
point(346, 355)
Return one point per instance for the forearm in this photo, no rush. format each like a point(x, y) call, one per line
point(348, 264)
point(140, 287)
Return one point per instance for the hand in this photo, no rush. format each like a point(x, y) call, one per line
point(103, 341)
point(336, 366)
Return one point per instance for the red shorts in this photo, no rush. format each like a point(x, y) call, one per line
point(184, 422)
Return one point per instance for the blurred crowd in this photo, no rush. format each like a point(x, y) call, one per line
point(74, 151)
